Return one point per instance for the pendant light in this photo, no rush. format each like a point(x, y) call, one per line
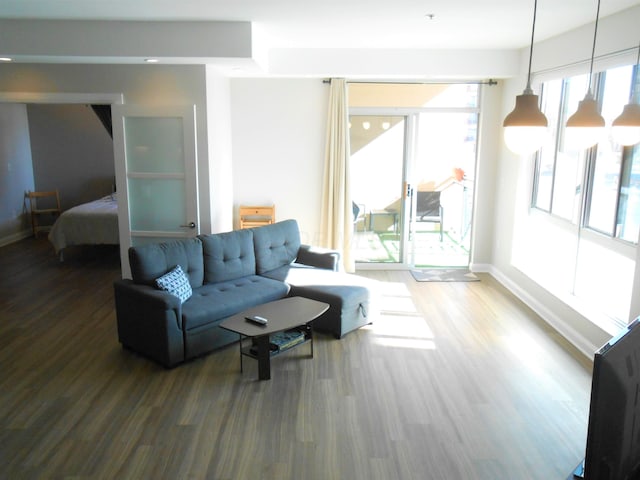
point(586, 126)
point(625, 129)
point(525, 128)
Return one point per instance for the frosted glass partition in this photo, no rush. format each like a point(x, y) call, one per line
point(157, 204)
point(154, 145)
point(139, 241)
point(155, 150)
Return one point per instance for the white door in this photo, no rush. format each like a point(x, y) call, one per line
point(156, 175)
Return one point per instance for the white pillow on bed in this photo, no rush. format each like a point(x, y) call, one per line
point(176, 282)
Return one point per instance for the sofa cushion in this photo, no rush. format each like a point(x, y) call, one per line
point(215, 301)
point(297, 275)
point(349, 296)
point(275, 245)
point(151, 261)
point(228, 255)
point(175, 282)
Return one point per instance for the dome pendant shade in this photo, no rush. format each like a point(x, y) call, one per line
point(526, 126)
point(586, 126)
point(626, 128)
point(526, 113)
point(587, 114)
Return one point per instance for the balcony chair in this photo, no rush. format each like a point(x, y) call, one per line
point(429, 209)
point(359, 215)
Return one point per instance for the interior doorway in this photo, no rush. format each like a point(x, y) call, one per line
point(412, 173)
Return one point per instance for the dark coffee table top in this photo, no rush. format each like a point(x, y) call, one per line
point(282, 314)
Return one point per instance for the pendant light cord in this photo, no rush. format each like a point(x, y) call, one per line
point(593, 49)
point(533, 30)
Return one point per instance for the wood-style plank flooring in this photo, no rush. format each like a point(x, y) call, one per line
point(452, 381)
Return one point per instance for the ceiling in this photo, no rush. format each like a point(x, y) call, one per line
point(432, 24)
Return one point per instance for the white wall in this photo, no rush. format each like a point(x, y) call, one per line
point(571, 51)
point(393, 63)
point(16, 172)
point(278, 131)
point(514, 178)
point(220, 150)
point(112, 41)
point(71, 151)
point(139, 84)
point(489, 144)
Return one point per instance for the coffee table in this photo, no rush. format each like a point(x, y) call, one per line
point(284, 314)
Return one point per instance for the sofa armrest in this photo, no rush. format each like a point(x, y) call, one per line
point(149, 321)
point(151, 298)
point(318, 257)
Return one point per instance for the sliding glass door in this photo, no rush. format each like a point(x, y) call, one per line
point(378, 158)
point(412, 174)
point(443, 175)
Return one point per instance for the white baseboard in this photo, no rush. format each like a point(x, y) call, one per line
point(480, 267)
point(578, 340)
point(16, 237)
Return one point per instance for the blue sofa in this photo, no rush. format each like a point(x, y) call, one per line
point(228, 273)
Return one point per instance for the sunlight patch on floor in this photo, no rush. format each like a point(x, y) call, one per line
point(399, 324)
point(404, 331)
point(526, 349)
point(407, 343)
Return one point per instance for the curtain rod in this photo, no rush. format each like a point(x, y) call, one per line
point(490, 82)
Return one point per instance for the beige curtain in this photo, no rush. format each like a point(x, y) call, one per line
point(337, 213)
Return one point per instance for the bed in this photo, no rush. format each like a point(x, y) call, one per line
point(93, 223)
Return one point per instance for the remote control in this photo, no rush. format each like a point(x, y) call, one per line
point(257, 319)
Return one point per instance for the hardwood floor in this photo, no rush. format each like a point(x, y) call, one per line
point(452, 381)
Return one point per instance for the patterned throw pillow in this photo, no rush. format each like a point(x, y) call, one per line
point(176, 283)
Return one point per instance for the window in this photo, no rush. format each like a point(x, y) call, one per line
point(609, 204)
point(580, 240)
point(628, 222)
point(607, 164)
point(552, 94)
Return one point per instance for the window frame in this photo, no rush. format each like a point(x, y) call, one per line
point(580, 219)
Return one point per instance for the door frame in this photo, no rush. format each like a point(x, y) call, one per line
point(74, 98)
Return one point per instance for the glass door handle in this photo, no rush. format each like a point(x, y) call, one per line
point(189, 225)
point(408, 190)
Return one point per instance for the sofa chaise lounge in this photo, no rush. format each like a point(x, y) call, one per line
point(228, 273)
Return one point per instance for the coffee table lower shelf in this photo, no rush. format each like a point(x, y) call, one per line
point(253, 350)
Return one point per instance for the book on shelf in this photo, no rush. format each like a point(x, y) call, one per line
point(282, 341)
point(287, 339)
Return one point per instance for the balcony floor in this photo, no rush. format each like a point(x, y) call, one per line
point(384, 247)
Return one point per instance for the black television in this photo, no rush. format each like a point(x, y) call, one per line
point(613, 432)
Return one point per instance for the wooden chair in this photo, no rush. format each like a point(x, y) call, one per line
point(43, 205)
point(252, 216)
